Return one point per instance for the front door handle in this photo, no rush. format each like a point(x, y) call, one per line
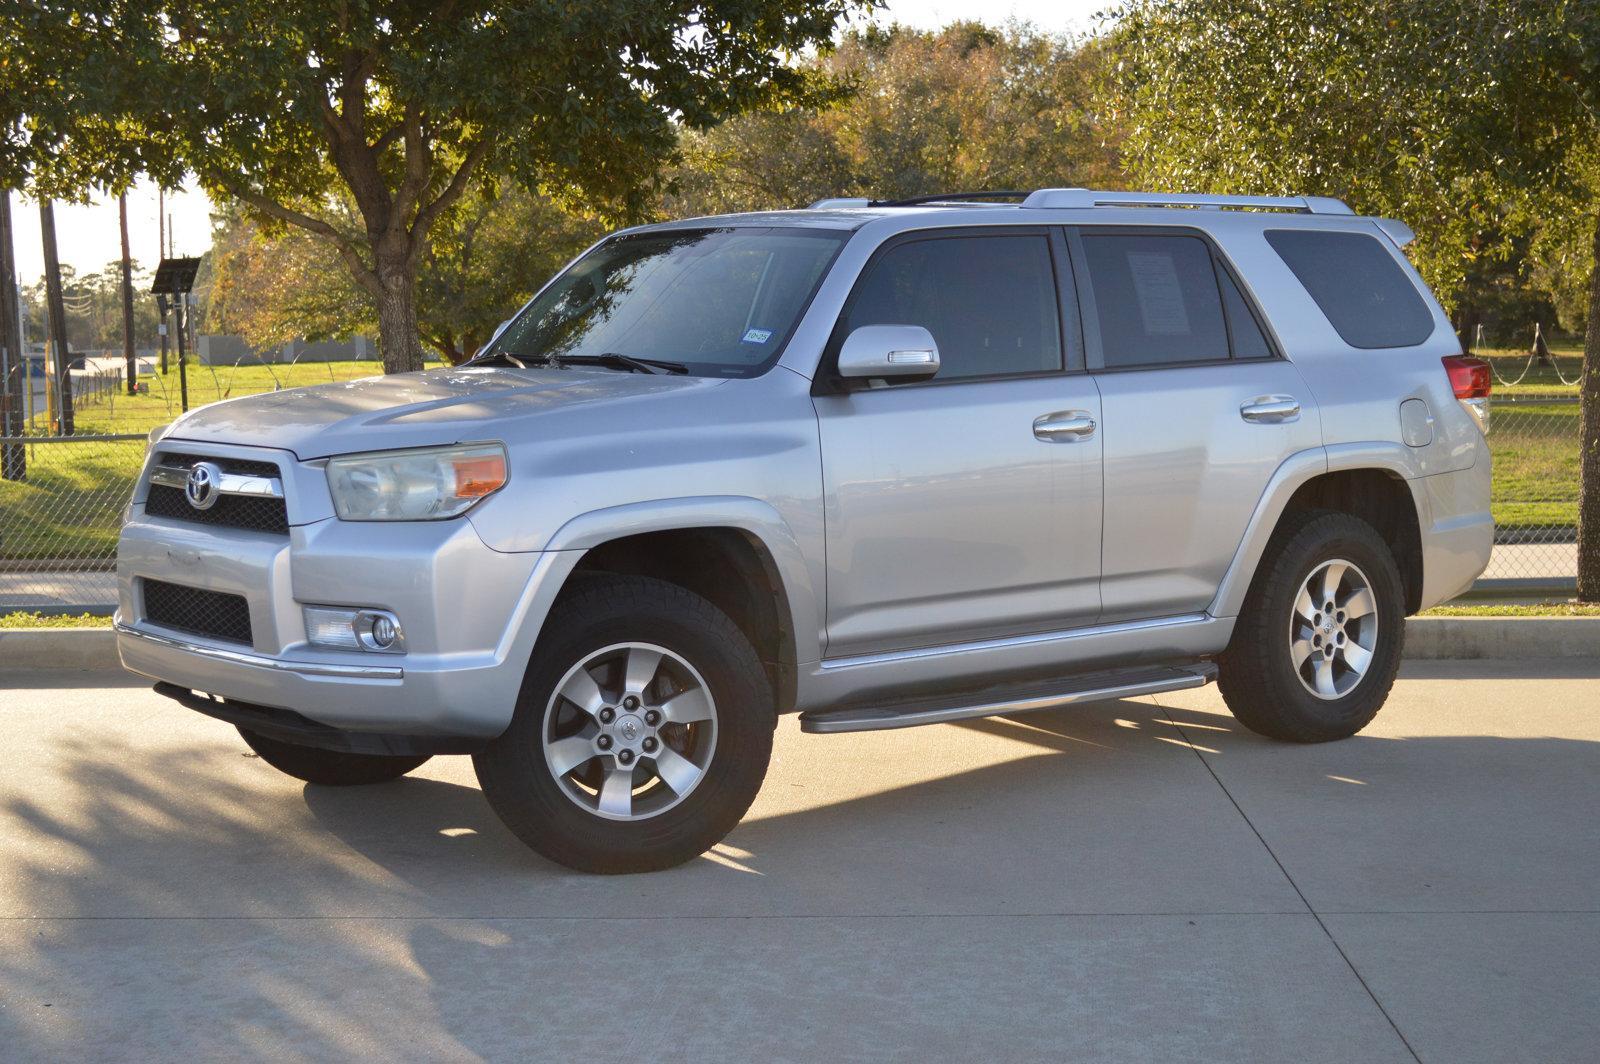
point(1271, 409)
point(1064, 426)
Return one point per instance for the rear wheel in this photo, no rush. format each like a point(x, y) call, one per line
point(1318, 643)
point(642, 732)
point(332, 768)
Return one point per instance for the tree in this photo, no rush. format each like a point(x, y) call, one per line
point(966, 108)
point(398, 104)
point(485, 259)
point(1473, 120)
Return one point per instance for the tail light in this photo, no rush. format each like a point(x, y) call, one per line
point(1470, 379)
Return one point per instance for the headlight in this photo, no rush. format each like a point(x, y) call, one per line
point(422, 485)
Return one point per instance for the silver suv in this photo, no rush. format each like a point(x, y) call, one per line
point(877, 464)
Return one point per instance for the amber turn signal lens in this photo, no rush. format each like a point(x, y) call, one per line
point(479, 475)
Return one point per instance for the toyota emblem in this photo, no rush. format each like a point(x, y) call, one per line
point(202, 487)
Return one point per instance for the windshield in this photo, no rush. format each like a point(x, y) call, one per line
point(720, 301)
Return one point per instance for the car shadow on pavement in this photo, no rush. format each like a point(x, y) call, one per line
point(1094, 809)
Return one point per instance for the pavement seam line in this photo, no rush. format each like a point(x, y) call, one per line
point(1290, 879)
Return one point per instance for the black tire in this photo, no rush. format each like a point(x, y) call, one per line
point(601, 612)
point(1258, 678)
point(331, 768)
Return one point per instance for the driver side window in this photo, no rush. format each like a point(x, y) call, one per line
point(990, 302)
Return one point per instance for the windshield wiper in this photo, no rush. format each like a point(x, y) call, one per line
point(495, 356)
point(616, 360)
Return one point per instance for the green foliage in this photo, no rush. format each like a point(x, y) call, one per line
point(396, 105)
point(489, 259)
point(26, 619)
point(966, 108)
point(93, 303)
point(1515, 609)
point(1467, 119)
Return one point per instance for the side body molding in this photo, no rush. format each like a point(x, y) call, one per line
point(1295, 471)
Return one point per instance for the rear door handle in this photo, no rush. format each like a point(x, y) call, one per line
point(1271, 409)
point(1064, 426)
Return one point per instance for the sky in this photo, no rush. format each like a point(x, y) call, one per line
point(87, 235)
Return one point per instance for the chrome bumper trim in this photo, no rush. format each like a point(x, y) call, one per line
point(257, 661)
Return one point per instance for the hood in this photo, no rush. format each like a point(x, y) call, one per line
point(416, 409)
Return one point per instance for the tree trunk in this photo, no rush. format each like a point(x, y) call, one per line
point(127, 299)
point(1589, 443)
point(398, 342)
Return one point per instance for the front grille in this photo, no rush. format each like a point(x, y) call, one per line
point(233, 511)
point(197, 611)
point(248, 467)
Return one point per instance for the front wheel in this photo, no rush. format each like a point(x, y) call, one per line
point(1318, 643)
point(642, 732)
point(331, 768)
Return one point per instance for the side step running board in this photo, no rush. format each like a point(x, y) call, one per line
point(1085, 687)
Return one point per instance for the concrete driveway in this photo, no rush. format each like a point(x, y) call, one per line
point(1135, 880)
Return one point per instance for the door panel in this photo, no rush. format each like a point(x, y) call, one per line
point(967, 507)
point(948, 519)
point(1199, 413)
point(1184, 471)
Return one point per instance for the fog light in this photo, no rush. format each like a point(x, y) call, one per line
point(345, 629)
point(384, 631)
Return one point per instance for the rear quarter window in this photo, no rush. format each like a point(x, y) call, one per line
point(1365, 295)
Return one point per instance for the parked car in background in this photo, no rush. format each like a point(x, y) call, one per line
point(875, 464)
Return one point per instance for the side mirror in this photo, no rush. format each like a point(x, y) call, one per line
point(897, 352)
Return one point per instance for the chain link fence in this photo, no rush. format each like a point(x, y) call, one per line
point(1533, 436)
point(61, 498)
point(61, 502)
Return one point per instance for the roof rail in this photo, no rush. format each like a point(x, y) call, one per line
point(1083, 197)
point(953, 197)
point(917, 201)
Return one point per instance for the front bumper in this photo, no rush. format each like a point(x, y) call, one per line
point(470, 614)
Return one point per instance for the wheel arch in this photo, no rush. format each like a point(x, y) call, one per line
point(1370, 481)
point(736, 552)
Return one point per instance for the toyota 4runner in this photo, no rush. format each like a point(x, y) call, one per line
point(877, 464)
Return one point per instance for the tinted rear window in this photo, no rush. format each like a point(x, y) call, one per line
point(1157, 299)
point(1363, 291)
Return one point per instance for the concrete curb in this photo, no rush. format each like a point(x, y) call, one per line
point(1427, 639)
point(1431, 638)
point(58, 648)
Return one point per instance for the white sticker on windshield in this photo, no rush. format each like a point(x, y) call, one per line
point(757, 336)
point(1155, 282)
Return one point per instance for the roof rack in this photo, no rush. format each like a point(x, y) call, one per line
point(952, 197)
point(1083, 197)
point(918, 201)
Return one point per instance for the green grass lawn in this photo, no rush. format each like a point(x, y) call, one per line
point(1538, 609)
point(1535, 449)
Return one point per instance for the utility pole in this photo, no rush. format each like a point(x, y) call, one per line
point(13, 458)
point(183, 374)
point(161, 253)
point(128, 354)
point(62, 357)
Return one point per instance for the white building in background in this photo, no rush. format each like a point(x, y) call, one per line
point(226, 350)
